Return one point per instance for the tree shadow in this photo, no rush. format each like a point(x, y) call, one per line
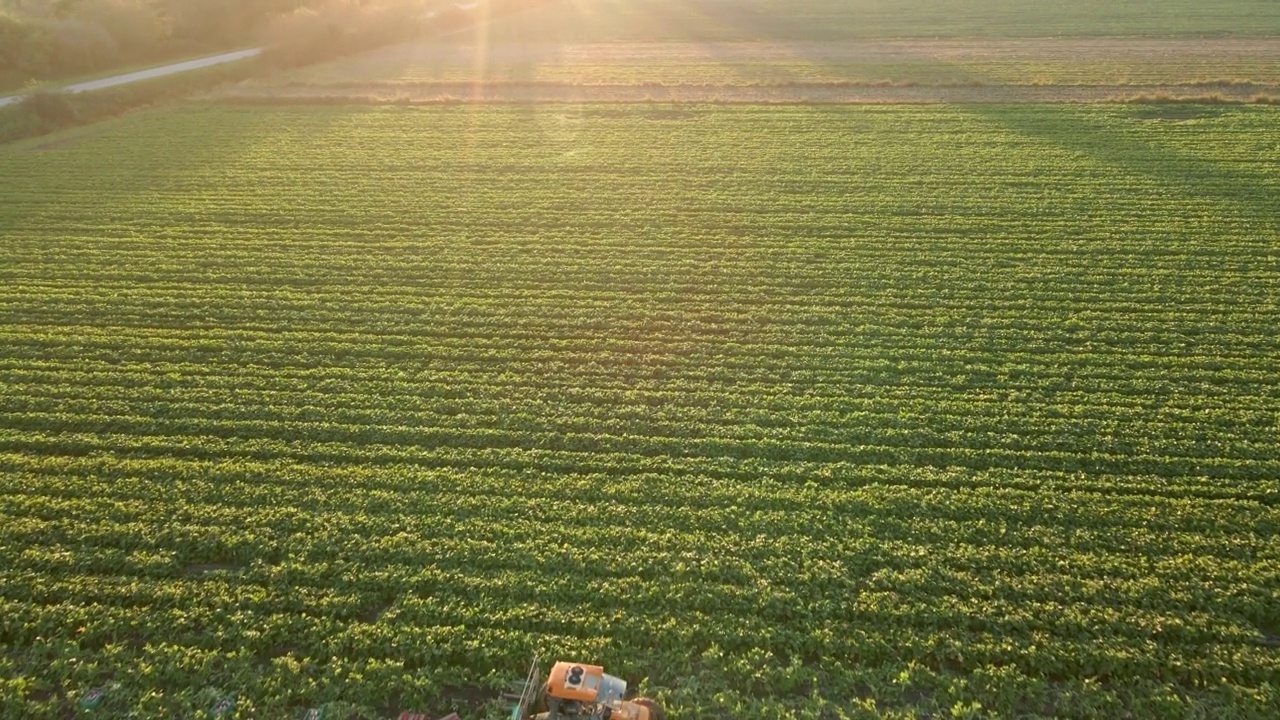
point(110, 188)
point(1121, 137)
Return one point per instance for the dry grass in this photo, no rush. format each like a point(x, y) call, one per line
point(1167, 98)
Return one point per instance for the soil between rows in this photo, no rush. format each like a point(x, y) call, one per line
point(427, 93)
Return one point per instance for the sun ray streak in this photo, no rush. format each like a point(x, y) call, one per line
point(483, 32)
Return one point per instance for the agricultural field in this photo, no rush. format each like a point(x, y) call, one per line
point(571, 21)
point(776, 412)
point(820, 51)
point(789, 65)
point(808, 360)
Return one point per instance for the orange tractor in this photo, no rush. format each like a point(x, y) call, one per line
point(577, 691)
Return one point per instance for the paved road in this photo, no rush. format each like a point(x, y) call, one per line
point(148, 73)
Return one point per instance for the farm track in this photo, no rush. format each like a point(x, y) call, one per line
point(148, 74)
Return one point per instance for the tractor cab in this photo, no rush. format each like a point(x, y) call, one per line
point(577, 690)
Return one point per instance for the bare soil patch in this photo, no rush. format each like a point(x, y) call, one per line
point(40, 695)
point(202, 569)
point(1173, 113)
point(373, 612)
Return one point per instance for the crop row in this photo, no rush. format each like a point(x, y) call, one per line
point(776, 412)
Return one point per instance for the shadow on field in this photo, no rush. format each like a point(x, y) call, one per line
point(1248, 185)
point(744, 22)
point(161, 170)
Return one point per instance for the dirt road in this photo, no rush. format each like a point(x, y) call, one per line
point(147, 74)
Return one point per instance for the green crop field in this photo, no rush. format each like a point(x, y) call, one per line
point(747, 65)
point(776, 412)
point(718, 20)
point(823, 51)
